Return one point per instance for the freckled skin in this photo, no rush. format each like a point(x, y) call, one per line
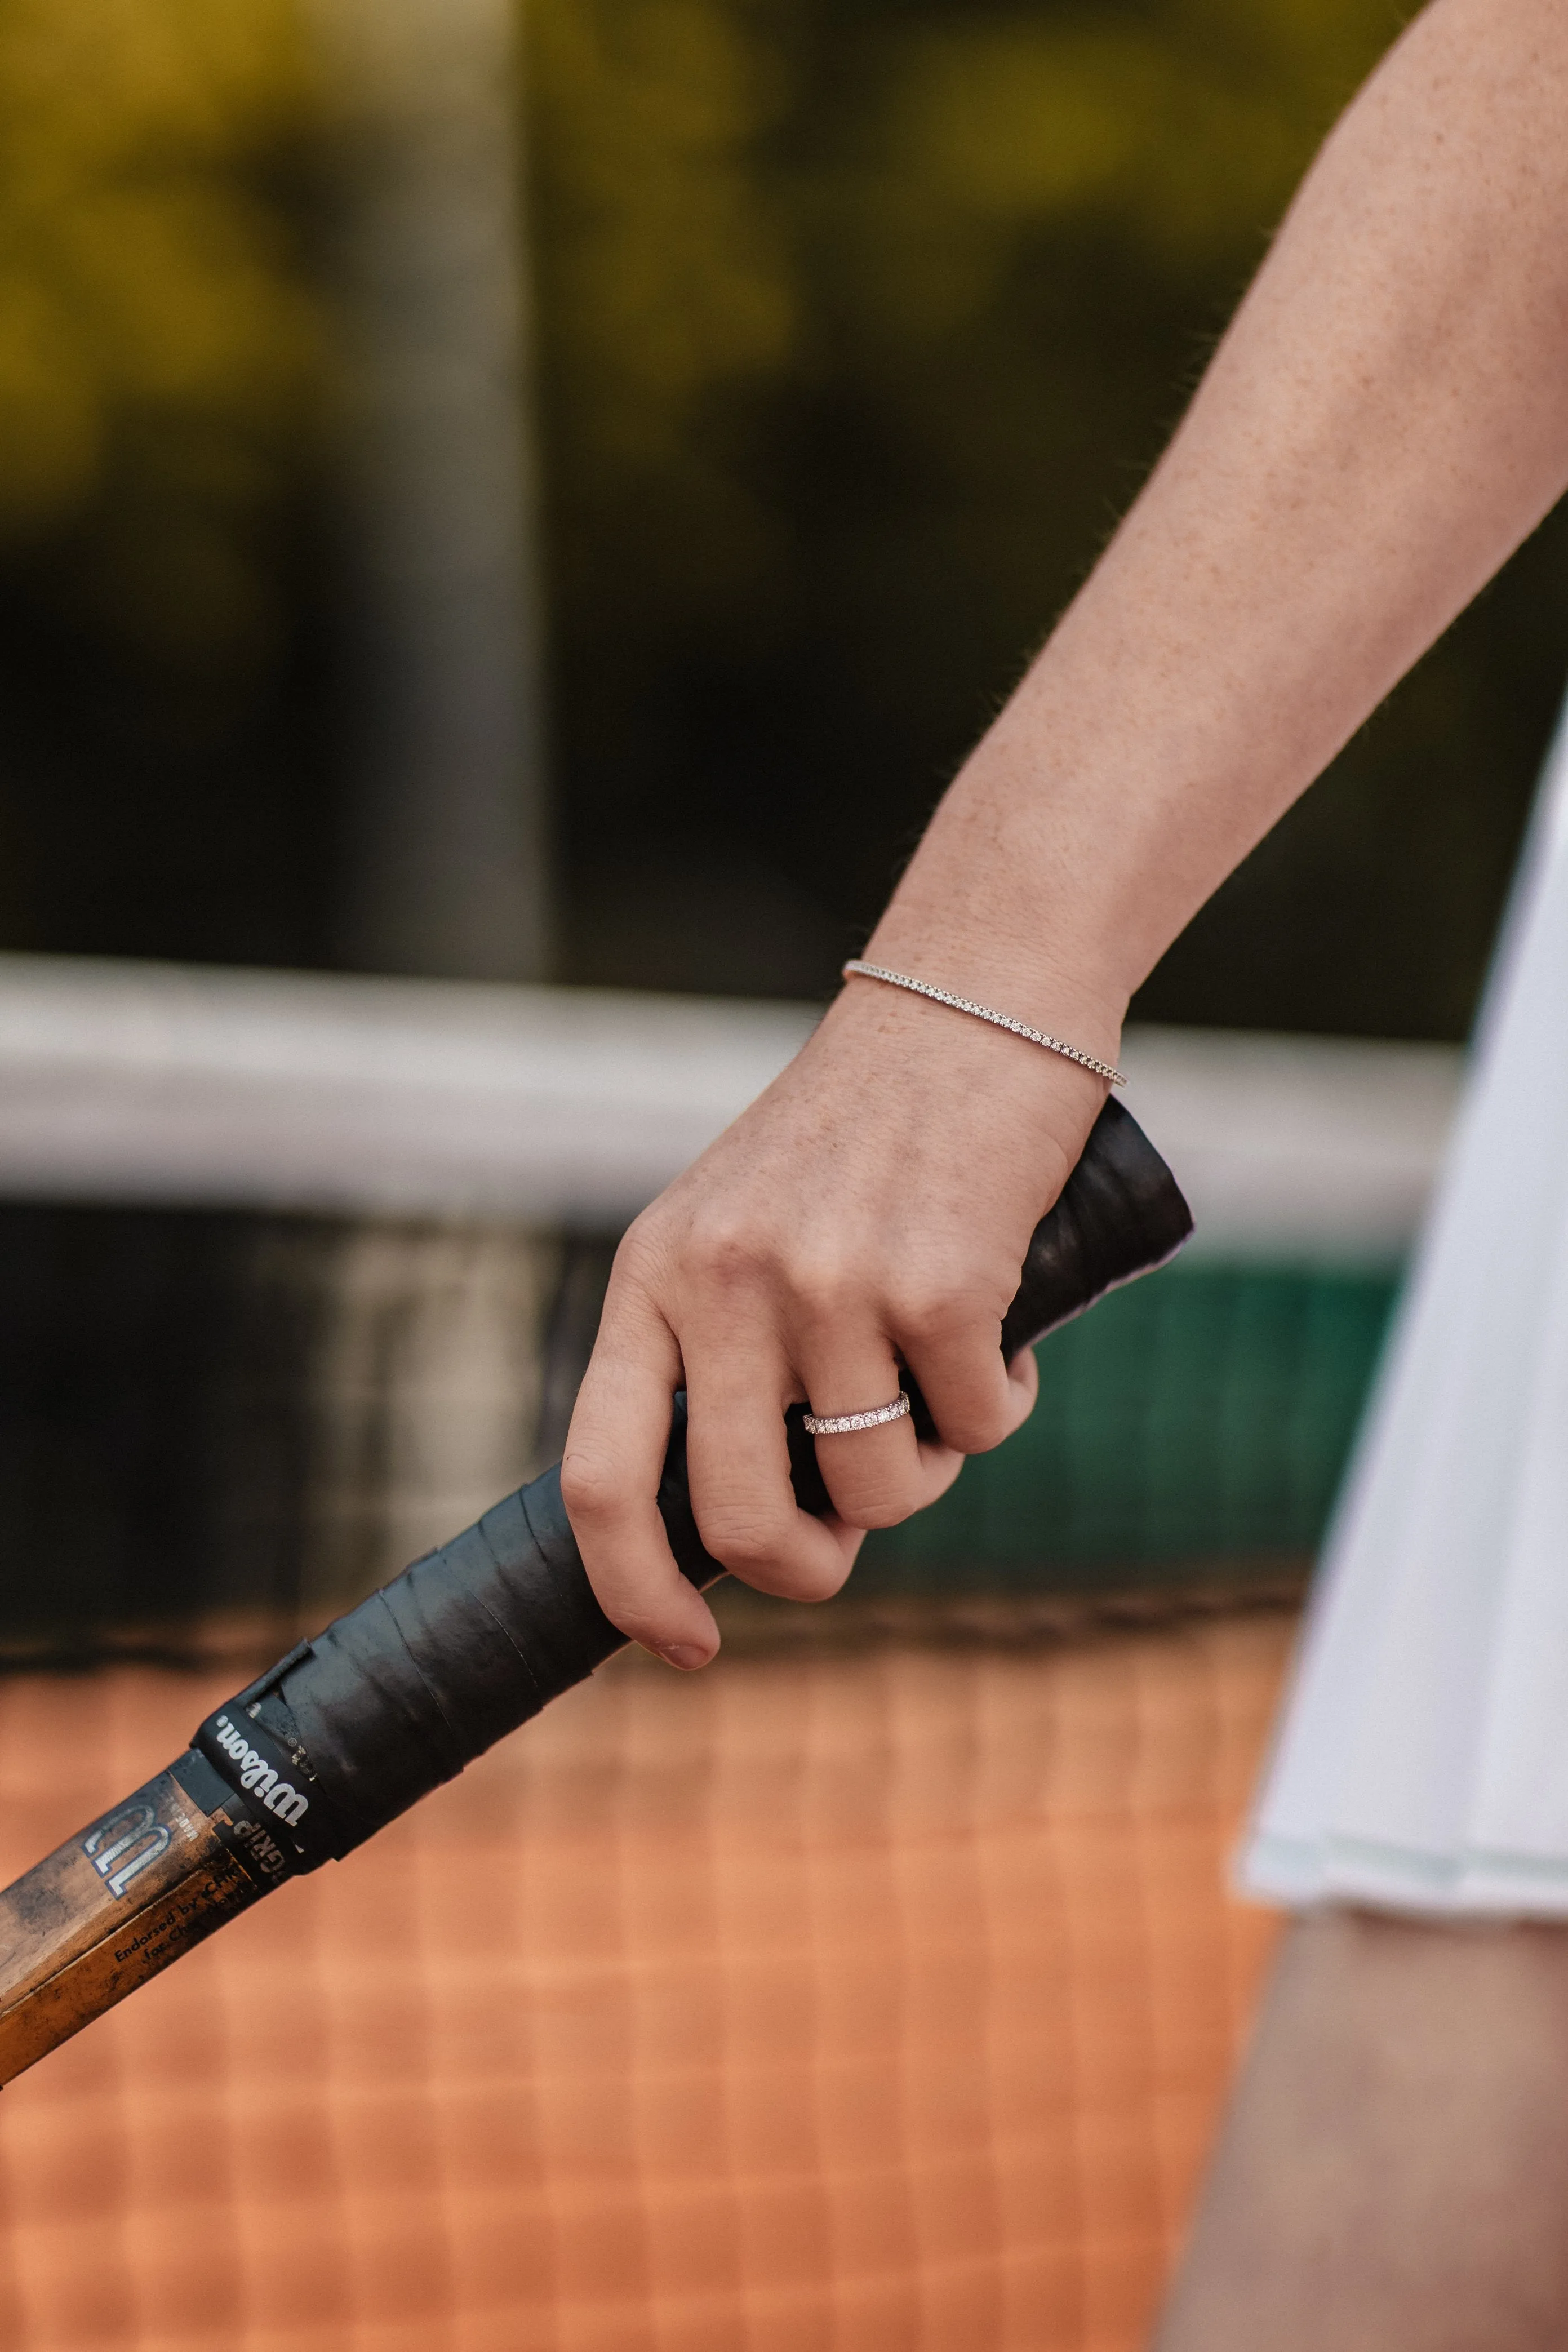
point(1384, 422)
point(1387, 419)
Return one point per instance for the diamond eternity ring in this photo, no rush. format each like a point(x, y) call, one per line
point(841, 1425)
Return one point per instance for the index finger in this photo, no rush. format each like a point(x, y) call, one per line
point(610, 1478)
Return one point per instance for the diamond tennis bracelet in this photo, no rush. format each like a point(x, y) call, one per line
point(856, 969)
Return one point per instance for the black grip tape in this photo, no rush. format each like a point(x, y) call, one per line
point(1120, 1214)
point(404, 1691)
point(475, 1638)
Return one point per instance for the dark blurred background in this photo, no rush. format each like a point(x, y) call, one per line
point(852, 328)
point(552, 494)
point(532, 490)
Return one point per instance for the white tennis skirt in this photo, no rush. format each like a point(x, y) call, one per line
point(1421, 1763)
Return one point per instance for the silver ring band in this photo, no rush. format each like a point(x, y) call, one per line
point(841, 1424)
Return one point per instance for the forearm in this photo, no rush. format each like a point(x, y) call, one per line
point(1385, 420)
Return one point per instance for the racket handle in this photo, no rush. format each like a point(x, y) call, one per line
point(355, 1726)
point(352, 1728)
point(115, 1904)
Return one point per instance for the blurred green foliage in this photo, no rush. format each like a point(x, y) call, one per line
point(160, 346)
point(163, 378)
point(858, 326)
point(857, 322)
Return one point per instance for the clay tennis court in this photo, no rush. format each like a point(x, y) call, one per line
point(874, 1998)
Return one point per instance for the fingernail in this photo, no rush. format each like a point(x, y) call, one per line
point(684, 1655)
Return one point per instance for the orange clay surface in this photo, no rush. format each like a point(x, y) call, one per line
point(878, 2001)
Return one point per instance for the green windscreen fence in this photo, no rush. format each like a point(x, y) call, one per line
point(1202, 1417)
point(205, 1412)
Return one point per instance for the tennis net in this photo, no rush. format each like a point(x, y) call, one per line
point(874, 1991)
point(868, 1995)
point(298, 1273)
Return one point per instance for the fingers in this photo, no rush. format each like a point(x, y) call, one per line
point(739, 1462)
point(876, 1477)
point(609, 1481)
point(748, 1334)
point(976, 1398)
point(738, 1471)
point(738, 1456)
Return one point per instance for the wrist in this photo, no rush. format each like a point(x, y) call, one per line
point(1011, 899)
point(884, 976)
point(1025, 971)
point(898, 1063)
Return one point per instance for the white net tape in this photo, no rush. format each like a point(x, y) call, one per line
point(140, 1082)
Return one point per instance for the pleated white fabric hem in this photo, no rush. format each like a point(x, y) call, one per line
point(1422, 1760)
point(1335, 1869)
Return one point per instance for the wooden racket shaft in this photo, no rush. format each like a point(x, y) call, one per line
point(353, 1727)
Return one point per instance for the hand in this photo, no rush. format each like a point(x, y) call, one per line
point(1349, 472)
point(870, 1211)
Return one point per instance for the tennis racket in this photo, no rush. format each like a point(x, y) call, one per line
point(355, 1726)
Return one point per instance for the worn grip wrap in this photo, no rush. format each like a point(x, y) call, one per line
point(353, 1728)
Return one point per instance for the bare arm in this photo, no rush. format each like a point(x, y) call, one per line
point(1385, 420)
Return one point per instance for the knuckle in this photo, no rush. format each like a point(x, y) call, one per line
point(732, 1254)
point(934, 1311)
point(813, 1582)
point(828, 1290)
point(732, 1241)
point(974, 1426)
point(877, 1507)
point(641, 1252)
point(589, 1486)
point(745, 1541)
point(961, 1296)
